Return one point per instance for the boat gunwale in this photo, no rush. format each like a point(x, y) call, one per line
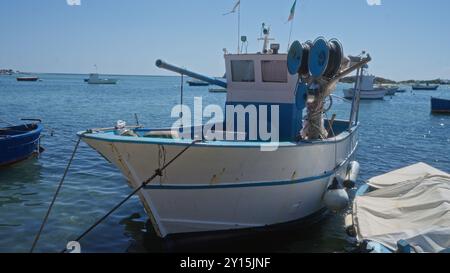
point(108, 136)
point(38, 129)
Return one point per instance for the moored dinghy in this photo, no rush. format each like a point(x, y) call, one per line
point(234, 179)
point(18, 143)
point(440, 106)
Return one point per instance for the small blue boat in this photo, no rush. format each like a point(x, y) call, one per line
point(18, 143)
point(440, 105)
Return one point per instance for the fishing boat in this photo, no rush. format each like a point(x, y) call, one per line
point(18, 143)
point(425, 87)
point(440, 105)
point(94, 78)
point(366, 89)
point(27, 79)
point(404, 211)
point(225, 176)
point(197, 83)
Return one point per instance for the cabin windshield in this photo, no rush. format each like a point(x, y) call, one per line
point(243, 70)
point(274, 71)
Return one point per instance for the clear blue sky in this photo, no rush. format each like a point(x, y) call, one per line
point(406, 38)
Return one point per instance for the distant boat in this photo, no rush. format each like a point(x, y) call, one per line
point(425, 87)
point(374, 94)
point(95, 79)
point(27, 79)
point(217, 90)
point(18, 143)
point(197, 83)
point(390, 91)
point(367, 91)
point(440, 105)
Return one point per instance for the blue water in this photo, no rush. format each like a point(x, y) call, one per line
point(394, 133)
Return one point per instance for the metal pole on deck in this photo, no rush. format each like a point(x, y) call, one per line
point(239, 29)
point(181, 98)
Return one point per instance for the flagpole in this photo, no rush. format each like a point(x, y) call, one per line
point(239, 29)
point(291, 18)
point(290, 33)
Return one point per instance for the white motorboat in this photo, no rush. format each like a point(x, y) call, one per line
point(226, 176)
point(94, 78)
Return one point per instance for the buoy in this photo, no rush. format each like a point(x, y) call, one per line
point(336, 198)
point(352, 175)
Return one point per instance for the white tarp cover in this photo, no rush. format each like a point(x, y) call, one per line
point(408, 173)
point(416, 210)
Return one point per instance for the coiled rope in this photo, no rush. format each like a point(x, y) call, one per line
point(158, 173)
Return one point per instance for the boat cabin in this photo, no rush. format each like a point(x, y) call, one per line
point(262, 79)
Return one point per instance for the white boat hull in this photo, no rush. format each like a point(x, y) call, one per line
point(102, 81)
point(375, 94)
point(217, 187)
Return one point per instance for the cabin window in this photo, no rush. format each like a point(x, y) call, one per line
point(243, 71)
point(274, 71)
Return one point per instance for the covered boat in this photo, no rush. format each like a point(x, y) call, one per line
point(274, 167)
point(406, 210)
point(18, 143)
point(440, 105)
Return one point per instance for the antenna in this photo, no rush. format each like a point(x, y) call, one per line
point(266, 39)
point(244, 42)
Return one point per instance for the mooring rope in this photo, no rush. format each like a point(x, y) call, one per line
point(38, 235)
point(158, 172)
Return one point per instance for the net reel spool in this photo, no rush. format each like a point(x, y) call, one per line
point(297, 59)
point(325, 58)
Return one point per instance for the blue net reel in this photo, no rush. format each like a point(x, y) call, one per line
point(298, 56)
point(319, 59)
point(325, 58)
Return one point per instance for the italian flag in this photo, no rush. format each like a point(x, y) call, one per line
point(292, 14)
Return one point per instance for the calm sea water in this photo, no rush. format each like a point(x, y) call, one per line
point(394, 133)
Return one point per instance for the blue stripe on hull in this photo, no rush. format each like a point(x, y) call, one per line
point(241, 185)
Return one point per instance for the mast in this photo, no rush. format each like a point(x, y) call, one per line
point(239, 29)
